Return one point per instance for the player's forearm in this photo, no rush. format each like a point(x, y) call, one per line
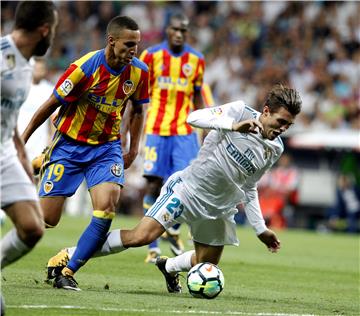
point(21, 152)
point(253, 212)
point(207, 119)
point(136, 127)
point(198, 101)
point(40, 116)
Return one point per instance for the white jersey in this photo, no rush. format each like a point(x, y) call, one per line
point(16, 77)
point(229, 163)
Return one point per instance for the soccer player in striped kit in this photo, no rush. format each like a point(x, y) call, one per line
point(92, 95)
point(176, 75)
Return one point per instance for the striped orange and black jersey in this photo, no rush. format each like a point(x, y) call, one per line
point(173, 80)
point(94, 96)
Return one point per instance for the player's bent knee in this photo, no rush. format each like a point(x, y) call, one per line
point(31, 234)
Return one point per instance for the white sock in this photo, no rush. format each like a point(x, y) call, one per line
point(179, 263)
point(71, 251)
point(12, 248)
point(112, 244)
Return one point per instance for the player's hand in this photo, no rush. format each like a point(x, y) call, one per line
point(248, 126)
point(38, 161)
point(269, 238)
point(129, 158)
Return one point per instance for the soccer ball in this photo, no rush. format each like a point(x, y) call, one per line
point(205, 280)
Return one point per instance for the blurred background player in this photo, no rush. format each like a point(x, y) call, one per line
point(176, 76)
point(92, 95)
point(39, 92)
point(278, 193)
point(34, 29)
point(345, 213)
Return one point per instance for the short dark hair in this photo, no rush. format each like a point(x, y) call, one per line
point(121, 22)
point(282, 96)
point(31, 14)
point(179, 17)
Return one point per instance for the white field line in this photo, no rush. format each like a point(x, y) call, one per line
point(154, 311)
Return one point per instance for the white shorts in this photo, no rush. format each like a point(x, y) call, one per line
point(15, 183)
point(174, 205)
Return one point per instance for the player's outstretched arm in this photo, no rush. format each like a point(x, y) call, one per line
point(269, 238)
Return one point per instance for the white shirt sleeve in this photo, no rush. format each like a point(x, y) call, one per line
point(218, 117)
point(253, 211)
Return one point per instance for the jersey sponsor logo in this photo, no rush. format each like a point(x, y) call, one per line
point(116, 169)
point(128, 86)
point(66, 87)
point(240, 159)
point(187, 70)
point(168, 83)
point(48, 186)
point(99, 101)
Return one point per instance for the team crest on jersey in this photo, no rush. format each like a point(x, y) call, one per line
point(148, 165)
point(267, 152)
point(48, 186)
point(66, 87)
point(128, 86)
point(10, 61)
point(166, 217)
point(187, 70)
point(116, 169)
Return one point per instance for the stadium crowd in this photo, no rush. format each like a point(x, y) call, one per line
point(313, 46)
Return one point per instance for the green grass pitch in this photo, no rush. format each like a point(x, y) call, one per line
point(313, 274)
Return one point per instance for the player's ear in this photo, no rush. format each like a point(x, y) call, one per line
point(111, 40)
point(266, 110)
point(44, 29)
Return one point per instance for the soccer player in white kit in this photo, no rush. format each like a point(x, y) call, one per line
point(241, 147)
point(34, 29)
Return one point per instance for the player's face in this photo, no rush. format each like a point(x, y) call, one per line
point(276, 123)
point(47, 40)
point(125, 46)
point(177, 33)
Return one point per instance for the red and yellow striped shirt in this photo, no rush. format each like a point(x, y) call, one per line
point(173, 80)
point(94, 96)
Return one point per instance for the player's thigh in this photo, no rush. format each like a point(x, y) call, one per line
point(105, 196)
point(105, 176)
point(207, 253)
point(27, 218)
point(168, 208)
point(62, 171)
point(157, 155)
point(185, 149)
point(214, 232)
point(15, 184)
